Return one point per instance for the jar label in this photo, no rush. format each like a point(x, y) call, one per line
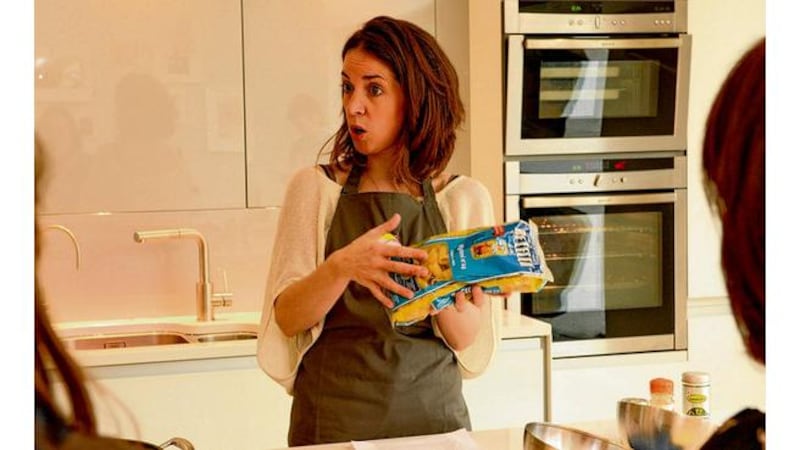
point(697, 411)
point(696, 398)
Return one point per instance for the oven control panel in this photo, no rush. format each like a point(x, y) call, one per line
point(554, 176)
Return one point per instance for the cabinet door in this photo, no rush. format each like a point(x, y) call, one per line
point(225, 403)
point(511, 391)
point(139, 104)
point(292, 67)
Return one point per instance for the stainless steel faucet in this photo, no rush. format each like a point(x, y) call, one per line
point(206, 300)
point(74, 240)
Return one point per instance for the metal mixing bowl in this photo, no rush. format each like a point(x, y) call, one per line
point(645, 427)
point(547, 436)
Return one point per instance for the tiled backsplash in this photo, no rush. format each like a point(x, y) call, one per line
point(119, 278)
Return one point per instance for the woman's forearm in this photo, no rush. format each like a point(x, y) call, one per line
point(304, 303)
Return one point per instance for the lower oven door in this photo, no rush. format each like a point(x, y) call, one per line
point(619, 268)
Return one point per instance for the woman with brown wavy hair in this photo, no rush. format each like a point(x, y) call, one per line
point(734, 154)
point(325, 332)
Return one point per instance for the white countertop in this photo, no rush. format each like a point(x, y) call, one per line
point(513, 326)
point(502, 439)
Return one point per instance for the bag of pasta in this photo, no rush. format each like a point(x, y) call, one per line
point(500, 259)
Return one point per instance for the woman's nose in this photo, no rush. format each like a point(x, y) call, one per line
point(355, 104)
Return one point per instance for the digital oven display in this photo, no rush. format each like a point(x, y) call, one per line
point(596, 7)
point(596, 165)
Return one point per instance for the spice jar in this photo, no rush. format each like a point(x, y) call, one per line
point(662, 393)
point(696, 394)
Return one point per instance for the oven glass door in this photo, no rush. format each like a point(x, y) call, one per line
point(627, 94)
point(612, 259)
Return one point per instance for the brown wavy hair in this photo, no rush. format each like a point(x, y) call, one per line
point(433, 106)
point(51, 361)
point(734, 166)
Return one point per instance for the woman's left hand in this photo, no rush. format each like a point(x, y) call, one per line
point(478, 298)
point(460, 323)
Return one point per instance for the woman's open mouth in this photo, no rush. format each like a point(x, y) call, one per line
point(356, 132)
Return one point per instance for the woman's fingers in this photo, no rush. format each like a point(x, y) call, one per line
point(380, 295)
point(388, 226)
point(407, 269)
point(461, 301)
point(478, 297)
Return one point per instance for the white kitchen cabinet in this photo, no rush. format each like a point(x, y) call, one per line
point(139, 104)
point(216, 395)
point(221, 403)
point(513, 390)
point(292, 79)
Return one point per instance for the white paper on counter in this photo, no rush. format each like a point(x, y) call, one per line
point(455, 440)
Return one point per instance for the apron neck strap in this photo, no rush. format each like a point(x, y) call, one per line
point(354, 178)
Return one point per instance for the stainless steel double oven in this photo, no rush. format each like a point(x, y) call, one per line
point(596, 100)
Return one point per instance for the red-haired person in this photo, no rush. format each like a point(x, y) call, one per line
point(734, 166)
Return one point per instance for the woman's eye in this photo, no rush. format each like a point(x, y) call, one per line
point(347, 88)
point(375, 90)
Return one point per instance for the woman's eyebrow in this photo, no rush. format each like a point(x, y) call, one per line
point(365, 77)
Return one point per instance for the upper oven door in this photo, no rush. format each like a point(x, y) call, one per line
point(596, 95)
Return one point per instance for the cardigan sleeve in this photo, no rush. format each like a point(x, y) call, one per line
point(466, 204)
point(295, 254)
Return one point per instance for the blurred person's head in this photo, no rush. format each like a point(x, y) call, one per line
point(734, 167)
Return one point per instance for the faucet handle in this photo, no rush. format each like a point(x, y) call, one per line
point(224, 298)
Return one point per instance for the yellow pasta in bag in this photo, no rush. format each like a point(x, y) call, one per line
point(501, 259)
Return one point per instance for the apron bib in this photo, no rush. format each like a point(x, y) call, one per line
point(363, 379)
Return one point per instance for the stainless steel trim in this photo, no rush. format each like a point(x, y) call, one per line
point(548, 43)
point(515, 145)
point(609, 346)
point(613, 199)
point(681, 268)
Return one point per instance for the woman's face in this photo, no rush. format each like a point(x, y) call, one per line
point(373, 103)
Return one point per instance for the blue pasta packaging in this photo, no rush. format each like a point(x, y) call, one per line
point(500, 259)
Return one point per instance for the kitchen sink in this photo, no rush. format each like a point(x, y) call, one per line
point(124, 340)
point(98, 337)
point(215, 337)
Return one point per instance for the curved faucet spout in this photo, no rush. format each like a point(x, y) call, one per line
point(205, 296)
point(74, 240)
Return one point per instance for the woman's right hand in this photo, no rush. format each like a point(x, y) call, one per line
point(368, 261)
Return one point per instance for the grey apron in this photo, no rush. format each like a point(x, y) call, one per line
point(363, 379)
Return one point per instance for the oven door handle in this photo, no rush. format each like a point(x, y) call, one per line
point(597, 200)
point(580, 43)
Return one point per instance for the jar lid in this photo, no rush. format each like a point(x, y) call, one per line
point(661, 386)
point(696, 377)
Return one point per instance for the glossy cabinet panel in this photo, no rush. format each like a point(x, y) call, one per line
point(139, 104)
point(292, 79)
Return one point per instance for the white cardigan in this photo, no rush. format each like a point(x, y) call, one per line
point(299, 247)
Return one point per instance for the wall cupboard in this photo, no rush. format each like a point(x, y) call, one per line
point(139, 104)
point(173, 105)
